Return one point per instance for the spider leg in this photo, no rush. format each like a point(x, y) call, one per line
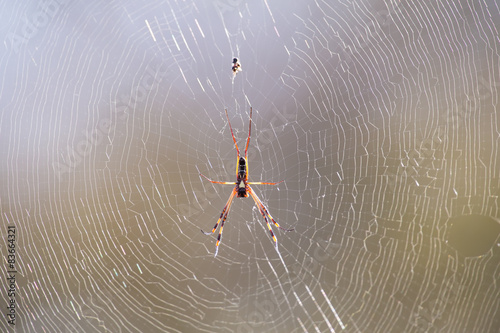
point(264, 210)
point(225, 210)
point(249, 131)
point(222, 218)
point(222, 226)
point(267, 222)
point(232, 134)
point(264, 183)
point(217, 182)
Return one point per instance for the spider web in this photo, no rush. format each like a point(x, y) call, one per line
point(381, 117)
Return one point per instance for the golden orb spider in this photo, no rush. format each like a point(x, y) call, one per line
point(242, 189)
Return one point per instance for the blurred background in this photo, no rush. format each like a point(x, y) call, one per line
point(381, 117)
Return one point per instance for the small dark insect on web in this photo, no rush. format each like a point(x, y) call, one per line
point(236, 66)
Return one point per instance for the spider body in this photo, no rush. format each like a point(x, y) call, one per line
point(242, 177)
point(242, 189)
